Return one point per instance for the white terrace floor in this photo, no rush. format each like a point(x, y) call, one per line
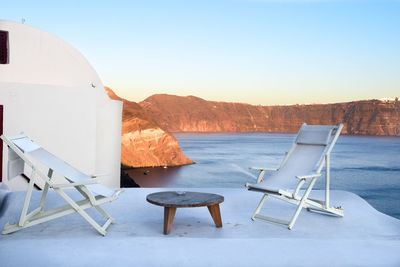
point(364, 237)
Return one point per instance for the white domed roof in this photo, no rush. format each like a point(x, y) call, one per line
point(38, 57)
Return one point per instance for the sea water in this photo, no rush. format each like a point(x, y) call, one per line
point(367, 166)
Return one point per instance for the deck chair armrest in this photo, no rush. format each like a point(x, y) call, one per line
point(308, 176)
point(260, 176)
point(87, 182)
point(118, 192)
point(263, 169)
point(99, 175)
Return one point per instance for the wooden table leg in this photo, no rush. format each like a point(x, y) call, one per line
point(169, 214)
point(215, 214)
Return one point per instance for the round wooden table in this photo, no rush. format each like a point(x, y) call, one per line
point(171, 200)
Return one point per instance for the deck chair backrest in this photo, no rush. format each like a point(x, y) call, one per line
point(302, 160)
point(17, 158)
point(314, 134)
point(25, 144)
point(57, 165)
point(310, 146)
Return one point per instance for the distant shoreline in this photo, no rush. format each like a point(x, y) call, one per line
point(211, 133)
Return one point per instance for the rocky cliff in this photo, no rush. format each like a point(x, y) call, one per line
point(143, 142)
point(193, 114)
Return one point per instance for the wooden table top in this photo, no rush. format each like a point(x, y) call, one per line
point(180, 199)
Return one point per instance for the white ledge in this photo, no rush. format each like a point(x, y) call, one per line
point(363, 237)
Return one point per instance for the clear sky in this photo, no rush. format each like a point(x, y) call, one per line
point(254, 51)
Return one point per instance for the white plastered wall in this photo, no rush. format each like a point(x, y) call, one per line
point(60, 122)
point(51, 92)
point(108, 138)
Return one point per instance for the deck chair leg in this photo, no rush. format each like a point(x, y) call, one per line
point(327, 180)
point(84, 192)
point(45, 190)
point(259, 207)
point(105, 214)
point(260, 177)
point(301, 204)
point(22, 218)
point(81, 212)
point(44, 194)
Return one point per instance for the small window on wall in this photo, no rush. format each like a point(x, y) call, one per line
point(4, 47)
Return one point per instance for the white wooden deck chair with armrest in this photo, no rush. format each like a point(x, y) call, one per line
point(23, 150)
point(300, 168)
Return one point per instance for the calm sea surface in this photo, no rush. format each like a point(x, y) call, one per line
point(367, 166)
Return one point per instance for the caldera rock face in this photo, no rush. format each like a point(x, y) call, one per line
point(146, 127)
point(193, 114)
point(151, 147)
point(143, 142)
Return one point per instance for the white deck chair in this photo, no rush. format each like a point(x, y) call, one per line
point(21, 151)
point(302, 166)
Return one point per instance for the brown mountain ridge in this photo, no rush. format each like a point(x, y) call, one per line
point(193, 114)
point(147, 141)
point(143, 142)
